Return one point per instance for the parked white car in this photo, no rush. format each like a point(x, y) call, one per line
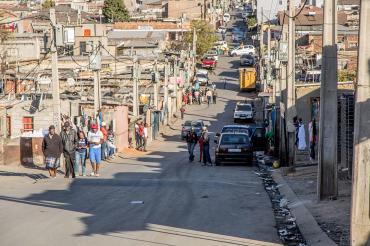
point(243, 111)
point(246, 50)
point(226, 17)
point(212, 53)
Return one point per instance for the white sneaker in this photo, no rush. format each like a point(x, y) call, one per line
point(92, 174)
point(97, 175)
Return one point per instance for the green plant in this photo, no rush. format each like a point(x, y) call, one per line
point(48, 4)
point(346, 75)
point(251, 21)
point(115, 11)
point(205, 36)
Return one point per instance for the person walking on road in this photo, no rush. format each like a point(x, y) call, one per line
point(137, 135)
point(209, 96)
point(225, 83)
point(95, 139)
point(191, 139)
point(182, 111)
point(206, 156)
point(69, 140)
point(141, 136)
point(81, 154)
point(214, 96)
point(145, 136)
point(200, 141)
point(52, 148)
point(104, 147)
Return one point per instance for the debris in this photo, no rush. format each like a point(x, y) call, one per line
point(137, 202)
point(204, 197)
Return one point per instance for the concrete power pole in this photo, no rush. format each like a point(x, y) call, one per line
point(290, 106)
point(156, 82)
point(94, 63)
point(268, 75)
point(261, 70)
point(55, 76)
point(360, 211)
point(165, 104)
point(194, 47)
point(135, 71)
point(327, 185)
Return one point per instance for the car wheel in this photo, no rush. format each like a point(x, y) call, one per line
point(217, 162)
point(249, 161)
point(233, 55)
point(235, 121)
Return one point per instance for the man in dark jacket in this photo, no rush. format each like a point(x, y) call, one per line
point(69, 140)
point(206, 156)
point(52, 148)
point(191, 139)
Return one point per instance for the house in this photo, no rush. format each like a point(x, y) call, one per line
point(270, 11)
point(152, 8)
point(175, 9)
point(348, 5)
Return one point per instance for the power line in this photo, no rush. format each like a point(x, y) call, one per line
point(299, 12)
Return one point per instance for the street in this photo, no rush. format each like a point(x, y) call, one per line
point(157, 198)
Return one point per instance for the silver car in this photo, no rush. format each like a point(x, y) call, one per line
point(247, 60)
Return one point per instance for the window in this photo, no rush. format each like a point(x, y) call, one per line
point(27, 124)
point(82, 48)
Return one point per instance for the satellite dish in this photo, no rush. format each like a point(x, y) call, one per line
point(71, 81)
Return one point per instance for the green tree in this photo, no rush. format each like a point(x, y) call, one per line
point(115, 11)
point(205, 36)
point(251, 21)
point(48, 4)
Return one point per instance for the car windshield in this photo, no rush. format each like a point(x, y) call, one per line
point(201, 76)
point(236, 130)
point(247, 57)
point(244, 107)
point(234, 139)
point(196, 124)
point(187, 123)
point(209, 58)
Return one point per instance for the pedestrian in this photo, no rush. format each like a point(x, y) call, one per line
point(141, 136)
point(312, 131)
point(190, 97)
point(206, 156)
point(213, 86)
point(191, 139)
point(69, 140)
point(52, 148)
point(185, 98)
point(145, 136)
point(224, 83)
point(104, 148)
point(200, 141)
point(95, 138)
point(137, 135)
point(209, 96)
point(197, 96)
point(182, 111)
point(110, 143)
point(214, 96)
point(301, 136)
point(81, 154)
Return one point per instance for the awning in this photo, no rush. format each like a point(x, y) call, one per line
point(265, 94)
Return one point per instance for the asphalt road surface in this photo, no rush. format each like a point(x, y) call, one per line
point(158, 198)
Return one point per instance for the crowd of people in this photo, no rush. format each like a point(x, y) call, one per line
point(141, 135)
point(76, 147)
point(197, 95)
point(203, 140)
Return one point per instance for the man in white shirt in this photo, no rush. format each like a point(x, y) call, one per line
point(95, 139)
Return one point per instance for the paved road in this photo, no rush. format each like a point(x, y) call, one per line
point(184, 203)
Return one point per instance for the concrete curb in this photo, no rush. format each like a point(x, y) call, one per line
point(307, 224)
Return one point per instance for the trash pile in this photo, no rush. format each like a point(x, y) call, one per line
point(287, 227)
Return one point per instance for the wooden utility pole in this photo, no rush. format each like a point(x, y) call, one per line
point(327, 184)
point(360, 211)
point(55, 76)
point(290, 106)
point(268, 75)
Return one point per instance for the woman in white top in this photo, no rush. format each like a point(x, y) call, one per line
point(145, 136)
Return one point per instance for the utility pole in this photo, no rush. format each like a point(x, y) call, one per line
point(95, 65)
point(290, 107)
point(156, 82)
point(283, 147)
point(135, 71)
point(268, 75)
point(261, 70)
point(55, 75)
point(327, 185)
point(204, 9)
point(360, 211)
point(166, 89)
point(194, 46)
